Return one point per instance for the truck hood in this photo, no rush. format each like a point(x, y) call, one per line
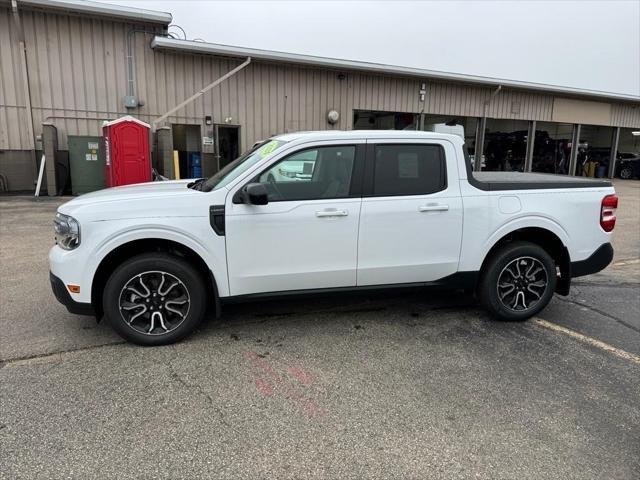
point(133, 192)
point(143, 200)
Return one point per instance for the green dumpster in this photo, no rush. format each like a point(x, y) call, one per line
point(86, 162)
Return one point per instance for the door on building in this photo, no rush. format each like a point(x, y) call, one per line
point(306, 236)
point(411, 215)
point(187, 141)
point(227, 144)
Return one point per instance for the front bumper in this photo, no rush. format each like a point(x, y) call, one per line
point(63, 296)
point(596, 262)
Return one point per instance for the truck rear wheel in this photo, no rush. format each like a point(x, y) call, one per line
point(518, 281)
point(154, 299)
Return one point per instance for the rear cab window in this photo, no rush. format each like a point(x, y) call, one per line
point(406, 169)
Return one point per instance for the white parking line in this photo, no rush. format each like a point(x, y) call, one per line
point(633, 261)
point(591, 341)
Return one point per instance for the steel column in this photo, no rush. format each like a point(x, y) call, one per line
point(575, 140)
point(531, 140)
point(482, 126)
point(615, 139)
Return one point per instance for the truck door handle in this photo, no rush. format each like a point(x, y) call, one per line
point(433, 207)
point(332, 213)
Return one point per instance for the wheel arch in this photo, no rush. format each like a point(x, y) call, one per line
point(547, 240)
point(129, 249)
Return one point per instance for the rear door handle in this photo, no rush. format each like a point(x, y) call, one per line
point(332, 213)
point(433, 207)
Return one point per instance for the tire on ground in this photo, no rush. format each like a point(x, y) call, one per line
point(626, 173)
point(488, 288)
point(164, 262)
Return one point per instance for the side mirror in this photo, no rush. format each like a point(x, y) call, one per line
point(256, 194)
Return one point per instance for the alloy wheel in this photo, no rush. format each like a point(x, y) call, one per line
point(154, 302)
point(625, 173)
point(522, 283)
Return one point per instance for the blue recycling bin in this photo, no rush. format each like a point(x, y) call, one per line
point(194, 165)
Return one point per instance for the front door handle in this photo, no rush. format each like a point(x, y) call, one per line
point(332, 213)
point(433, 207)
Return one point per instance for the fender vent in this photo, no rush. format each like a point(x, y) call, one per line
point(216, 219)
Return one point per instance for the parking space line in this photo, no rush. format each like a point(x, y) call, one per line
point(591, 341)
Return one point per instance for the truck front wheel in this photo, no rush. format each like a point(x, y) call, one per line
point(154, 299)
point(518, 281)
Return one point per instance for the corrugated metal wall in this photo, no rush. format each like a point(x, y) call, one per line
point(13, 110)
point(77, 69)
point(625, 115)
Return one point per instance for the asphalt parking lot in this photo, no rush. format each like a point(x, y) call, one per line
point(403, 385)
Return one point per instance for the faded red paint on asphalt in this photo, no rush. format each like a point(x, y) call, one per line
point(269, 381)
point(302, 376)
point(264, 386)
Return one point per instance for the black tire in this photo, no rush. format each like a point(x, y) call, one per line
point(626, 173)
point(172, 318)
point(521, 303)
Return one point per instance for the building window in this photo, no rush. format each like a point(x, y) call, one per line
point(594, 151)
point(628, 156)
point(552, 147)
point(369, 120)
point(465, 127)
point(505, 145)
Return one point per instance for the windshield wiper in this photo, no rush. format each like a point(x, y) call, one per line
point(196, 185)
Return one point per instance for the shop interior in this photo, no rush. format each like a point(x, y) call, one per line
point(186, 141)
point(506, 142)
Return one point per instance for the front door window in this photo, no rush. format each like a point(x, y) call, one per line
point(313, 174)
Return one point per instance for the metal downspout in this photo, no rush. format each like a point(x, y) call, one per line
point(26, 86)
point(217, 82)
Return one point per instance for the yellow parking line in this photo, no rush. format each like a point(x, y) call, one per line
point(591, 341)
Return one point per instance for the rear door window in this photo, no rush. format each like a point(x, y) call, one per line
point(405, 169)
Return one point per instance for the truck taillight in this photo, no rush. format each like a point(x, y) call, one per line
point(608, 212)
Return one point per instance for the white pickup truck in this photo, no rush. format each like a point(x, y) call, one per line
point(373, 209)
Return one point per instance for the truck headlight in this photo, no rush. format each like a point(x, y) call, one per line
point(67, 231)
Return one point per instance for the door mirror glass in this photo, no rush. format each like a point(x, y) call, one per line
point(256, 194)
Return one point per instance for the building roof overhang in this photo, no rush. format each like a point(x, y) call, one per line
point(192, 46)
point(85, 7)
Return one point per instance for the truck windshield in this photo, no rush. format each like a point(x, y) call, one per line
point(240, 165)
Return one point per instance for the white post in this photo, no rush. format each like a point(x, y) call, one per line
point(40, 175)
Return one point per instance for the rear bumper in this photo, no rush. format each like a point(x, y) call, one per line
point(596, 262)
point(63, 296)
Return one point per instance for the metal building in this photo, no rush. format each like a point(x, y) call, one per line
point(66, 66)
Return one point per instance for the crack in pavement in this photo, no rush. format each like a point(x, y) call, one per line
point(198, 388)
point(611, 284)
point(26, 358)
point(600, 312)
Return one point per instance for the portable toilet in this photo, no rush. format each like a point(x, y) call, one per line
point(127, 152)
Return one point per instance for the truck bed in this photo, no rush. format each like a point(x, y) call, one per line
point(532, 181)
